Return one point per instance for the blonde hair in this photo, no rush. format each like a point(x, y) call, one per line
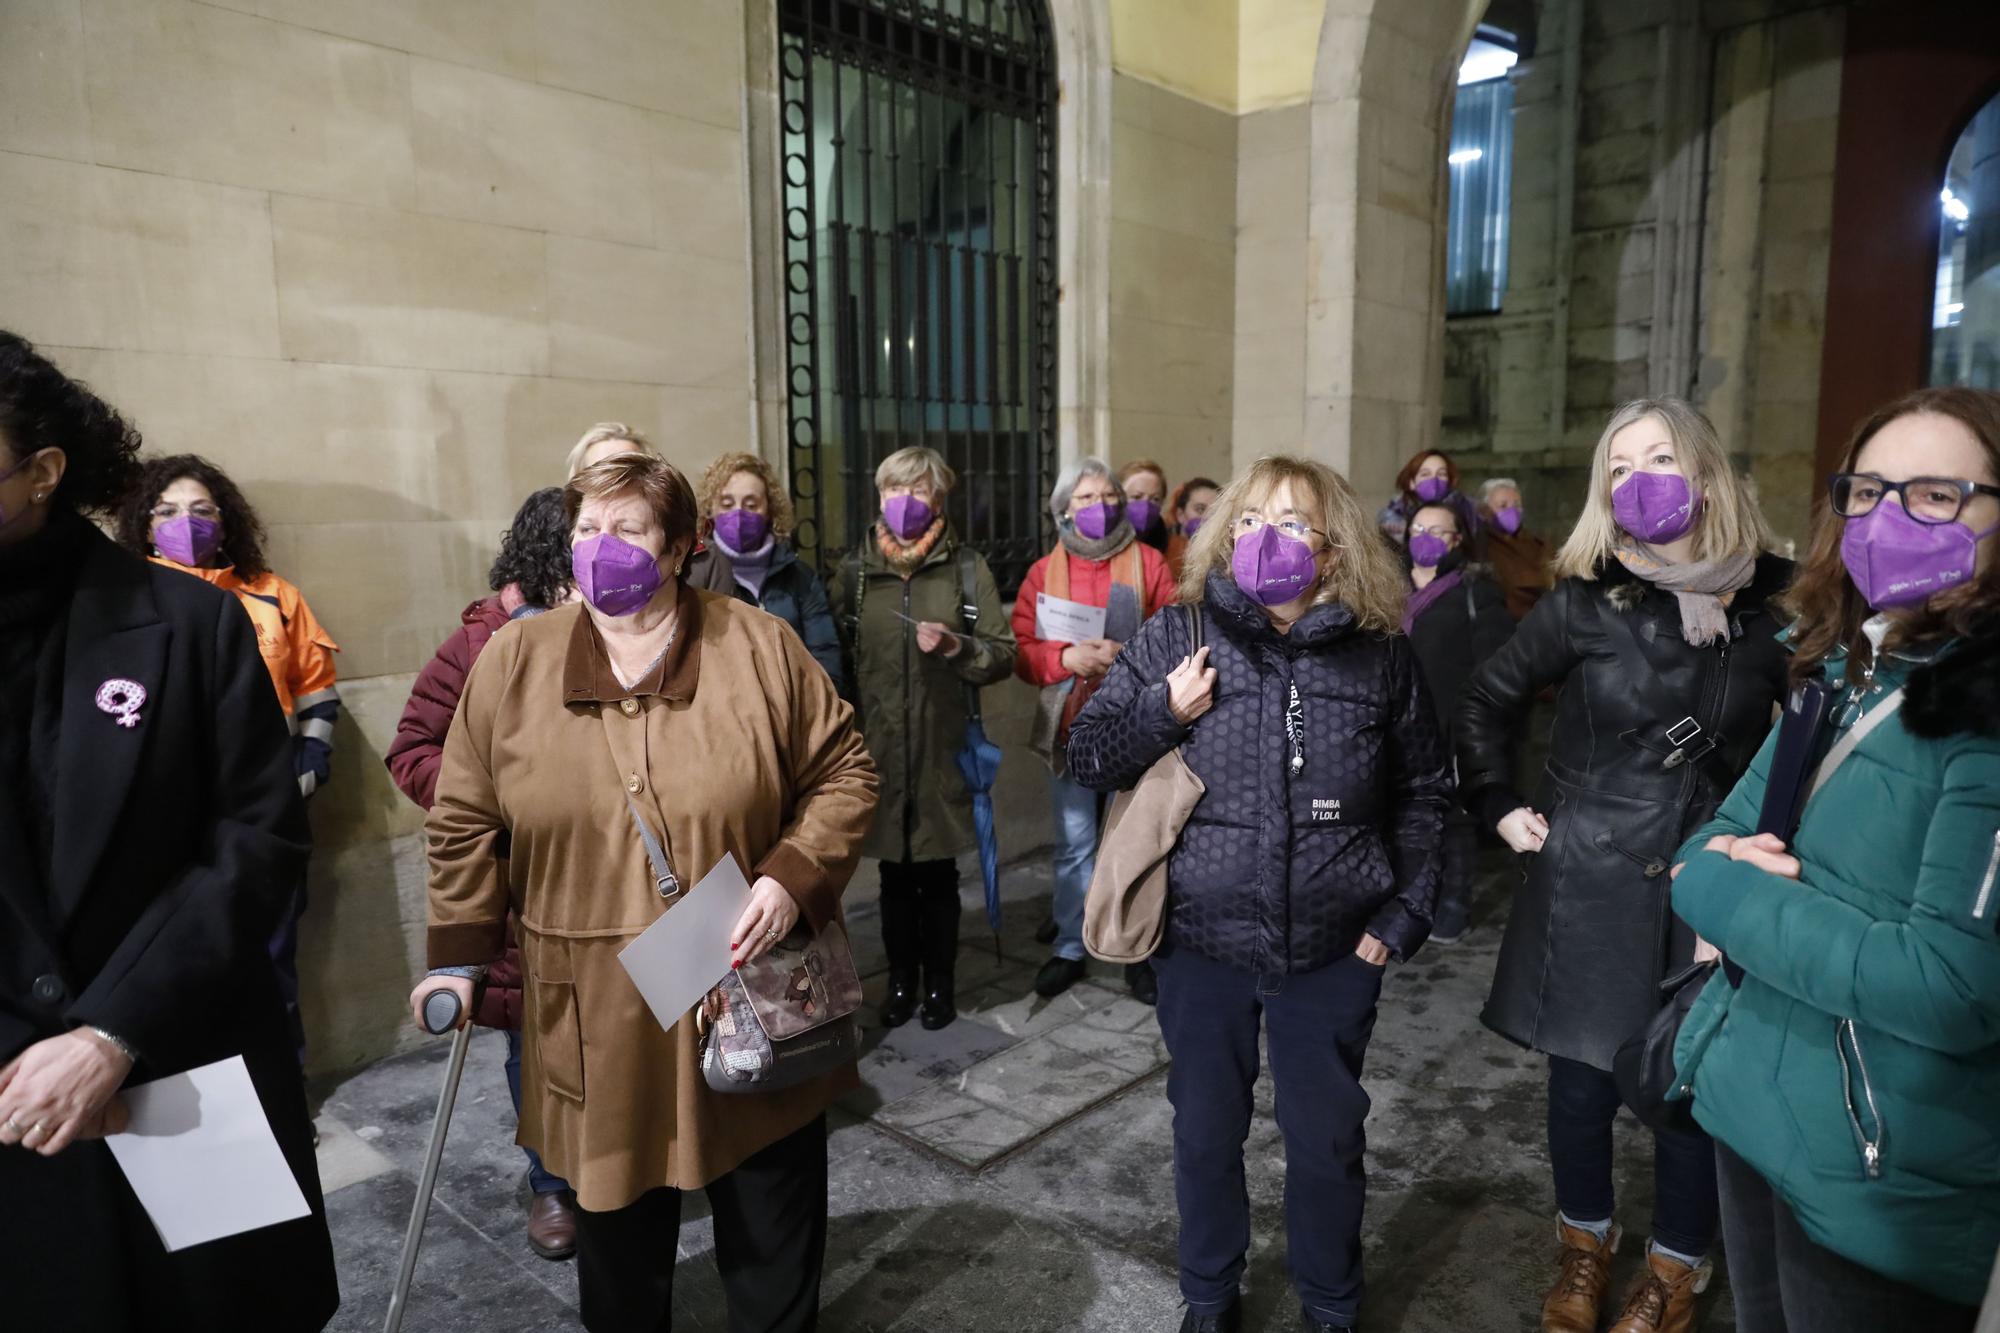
point(1731, 524)
point(1363, 575)
point(602, 432)
point(777, 501)
point(915, 466)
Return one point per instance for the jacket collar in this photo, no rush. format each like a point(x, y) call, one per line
point(1772, 575)
point(587, 673)
point(1244, 621)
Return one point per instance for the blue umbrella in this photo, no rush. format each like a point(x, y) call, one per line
point(979, 763)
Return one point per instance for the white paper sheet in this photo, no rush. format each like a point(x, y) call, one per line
point(687, 951)
point(1059, 620)
point(200, 1155)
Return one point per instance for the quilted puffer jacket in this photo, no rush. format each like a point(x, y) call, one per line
point(1284, 864)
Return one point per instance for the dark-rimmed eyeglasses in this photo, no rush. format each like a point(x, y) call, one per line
point(1926, 499)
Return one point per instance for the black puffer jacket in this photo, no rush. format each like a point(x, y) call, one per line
point(1458, 631)
point(1592, 934)
point(1280, 871)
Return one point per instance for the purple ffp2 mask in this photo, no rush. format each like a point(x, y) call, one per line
point(742, 530)
point(1654, 507)
point(1896, 561)
point(907, 516)
point(1432, 489)
point(613, 575)
point(188, 539)
point(1271, 567)
point(1096, 521)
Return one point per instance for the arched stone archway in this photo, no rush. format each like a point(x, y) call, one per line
point(1376, 206)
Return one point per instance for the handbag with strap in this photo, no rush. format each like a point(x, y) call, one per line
point(1644, 1066)
point(1125, 913)
point(783, 1018)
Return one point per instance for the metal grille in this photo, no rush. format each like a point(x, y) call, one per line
point(919, 282)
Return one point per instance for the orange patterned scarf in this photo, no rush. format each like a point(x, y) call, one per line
point(905, 559)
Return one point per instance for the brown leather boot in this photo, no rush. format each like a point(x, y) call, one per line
point(1663, 1302)
point(552, 1225)
point(1577, 1299)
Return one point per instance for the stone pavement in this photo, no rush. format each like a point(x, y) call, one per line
point(1013, 1172)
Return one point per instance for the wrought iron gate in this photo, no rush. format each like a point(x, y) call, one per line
point(919, 261)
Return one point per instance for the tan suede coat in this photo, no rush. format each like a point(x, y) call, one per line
point(735, 744)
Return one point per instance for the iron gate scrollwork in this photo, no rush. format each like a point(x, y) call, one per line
point(920, 262)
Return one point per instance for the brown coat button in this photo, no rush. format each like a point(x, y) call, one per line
point(635, 784)
point(629, 708)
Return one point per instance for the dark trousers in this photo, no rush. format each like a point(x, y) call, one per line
point(284, 950)
point(770, 1243)
point(1785, 1282)
point(1317, 1025)
point(540, 1179)
point(1460, 867)
point(920, 911)
point(1583, 1102)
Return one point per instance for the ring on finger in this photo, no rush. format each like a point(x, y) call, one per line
point(773, 934)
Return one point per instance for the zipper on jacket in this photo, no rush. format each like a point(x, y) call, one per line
point(909, 779)
point(1844, 1035)
point(1986, 884)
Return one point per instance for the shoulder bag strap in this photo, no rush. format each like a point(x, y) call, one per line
point(668, 883)
point(1847, 744)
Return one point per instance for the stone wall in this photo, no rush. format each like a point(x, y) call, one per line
point(1676, 242)
point(383, 262)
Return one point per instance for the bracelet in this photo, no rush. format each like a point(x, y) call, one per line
point(118, 1043)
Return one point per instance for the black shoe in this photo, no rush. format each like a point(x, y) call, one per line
point(1058, 975)
point(1225, 1321)
point(1046, 932)
point(1145, 986)
point(1312, 1323)
point(940, 1005)
point(901, 1002)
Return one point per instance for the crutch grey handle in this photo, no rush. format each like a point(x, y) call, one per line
point(441, 1012)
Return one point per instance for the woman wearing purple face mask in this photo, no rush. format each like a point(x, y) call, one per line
point(1310, 862)
point(900, 603)
point(1519, 556)
point(1429, 477)
point(746, 529)
point(1456, 618)
point(1660, 638)
point(188, 515)
point(1840, 1078)
point(1098, 562)
point(621, 749)
point(1145, 487)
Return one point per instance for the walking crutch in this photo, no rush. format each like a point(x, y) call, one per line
point(441, 1015)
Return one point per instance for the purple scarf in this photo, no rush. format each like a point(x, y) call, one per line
point(1420, 600)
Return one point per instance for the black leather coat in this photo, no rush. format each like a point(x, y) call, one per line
point(1281, 870)
point(1650, 735)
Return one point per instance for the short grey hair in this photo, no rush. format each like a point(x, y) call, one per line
point(1492, 484)
point(913, 466)
point(1072, 477)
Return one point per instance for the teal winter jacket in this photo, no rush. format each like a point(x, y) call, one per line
point(1857, 1068)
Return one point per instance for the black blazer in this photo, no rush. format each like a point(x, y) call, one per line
point(178, 842)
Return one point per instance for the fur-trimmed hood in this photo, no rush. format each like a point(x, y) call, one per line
point(1960, 692)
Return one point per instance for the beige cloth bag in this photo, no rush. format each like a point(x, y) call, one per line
point(1125, 914)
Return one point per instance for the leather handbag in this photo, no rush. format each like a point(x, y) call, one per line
point(1125, 912)
point(785, 1017)
point(1644, 1066)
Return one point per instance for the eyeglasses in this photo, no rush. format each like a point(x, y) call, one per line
point(1433, 532)
point(1250, 524)
point(200, 509)
point(1926, 499)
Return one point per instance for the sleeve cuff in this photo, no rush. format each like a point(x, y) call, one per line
point(810, 886)
point(466, 944)
point(1493, 803)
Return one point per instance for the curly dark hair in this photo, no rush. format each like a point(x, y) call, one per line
point(243, 533)
point(42, 408)
point(534, 553)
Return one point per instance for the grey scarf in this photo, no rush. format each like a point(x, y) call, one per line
point(1703, 588)
point(1083, 548)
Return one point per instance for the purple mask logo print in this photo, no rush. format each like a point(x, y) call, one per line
point(1508, 519)
point(1428, 549)
point(1654, 507)
point(1432, 489)
point(1896, 561)
point(742, 530)
point(1143, 513)
point(614, 576)
point(1271, 567)
point(1096, 521)
point(188, 540)
point(907, 516)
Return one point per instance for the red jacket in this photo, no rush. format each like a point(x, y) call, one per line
point(1039, 661)
point(418, 750)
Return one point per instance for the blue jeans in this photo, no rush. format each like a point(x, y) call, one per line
point(539, 1179)
point(1317, 1026)
point(1077, 813)
point(1583, 1101)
